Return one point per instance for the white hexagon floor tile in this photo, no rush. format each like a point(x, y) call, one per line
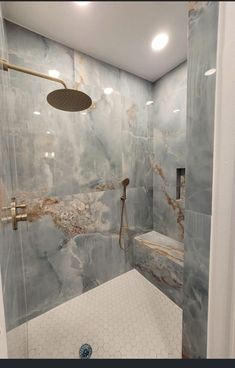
point(126, 317)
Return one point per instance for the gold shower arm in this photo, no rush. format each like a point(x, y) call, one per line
point(7, 66)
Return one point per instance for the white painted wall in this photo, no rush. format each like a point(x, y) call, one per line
point(221, 326)
point(3, 341)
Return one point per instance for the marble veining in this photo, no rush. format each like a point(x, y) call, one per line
point(177, 205)
point(202, 48)
point(163, 245)
point(169, 142)
point(160, 259)
point(68, 169)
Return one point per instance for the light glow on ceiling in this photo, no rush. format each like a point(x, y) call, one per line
point(82, 3)
point(160, 41)
point(37, 113)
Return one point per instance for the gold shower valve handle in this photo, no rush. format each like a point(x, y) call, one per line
point(15, 217)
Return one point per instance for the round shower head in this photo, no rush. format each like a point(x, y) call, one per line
point(69, 99)
point(125, 182)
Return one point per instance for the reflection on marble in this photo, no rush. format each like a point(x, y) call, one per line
point(160, 259)
point(68, 170)
point(169, 126)
point(202, 34)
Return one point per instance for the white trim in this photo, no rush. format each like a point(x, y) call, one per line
point(3, 339)
point(221, 310)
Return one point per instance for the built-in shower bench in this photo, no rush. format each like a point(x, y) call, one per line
point(161, 259)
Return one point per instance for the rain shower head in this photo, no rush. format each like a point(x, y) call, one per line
point(69, 99)
point(63, 99)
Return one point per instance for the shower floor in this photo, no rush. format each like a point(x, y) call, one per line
point(126, 317)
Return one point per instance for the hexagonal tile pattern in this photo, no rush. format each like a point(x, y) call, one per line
point(126, 317)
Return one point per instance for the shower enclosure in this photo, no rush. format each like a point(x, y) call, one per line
point(99, 261)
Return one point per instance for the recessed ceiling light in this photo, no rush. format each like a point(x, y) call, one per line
point(176, 110)
point(210, 72)
point(82, 3)
point(48, 132)
point(83, 112)
point(108, 91)
point(160, 41)
point(54, 73)
point(37, 113)
point(150, 102)
point(46, 154)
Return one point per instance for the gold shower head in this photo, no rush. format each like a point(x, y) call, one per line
point(69, 99)
point(63, 99)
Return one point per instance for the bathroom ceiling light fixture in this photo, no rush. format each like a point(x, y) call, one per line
point(108, 90)
point(150, 102)
point(37, 113)
point(176, 110)
point(82, 3)
point(210, 72)
point(160, 41)
point(65, 99)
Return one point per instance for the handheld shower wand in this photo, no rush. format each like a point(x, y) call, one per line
point(124, 182)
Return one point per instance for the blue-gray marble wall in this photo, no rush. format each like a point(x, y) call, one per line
point(169, 141)
point(68, 170)
point(11, 260)
point(202, 46)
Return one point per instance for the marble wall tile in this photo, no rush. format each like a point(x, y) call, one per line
point(196, 275)
point(70, 243)
point(92, 72)
point(36, 51)
point(11, 255)
point(86, 261)
point(202, 46)
point(202, 36)
point(168, 213)
point(169, 125)
point(123, 113)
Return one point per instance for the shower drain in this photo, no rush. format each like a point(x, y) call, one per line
point(85, 351)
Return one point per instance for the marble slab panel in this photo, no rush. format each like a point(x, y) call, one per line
point(160, 260)
point(163, 245)
point(202, 41)
point(196, 279)
point(168, 213)
point(68, 169)
point(169, 142)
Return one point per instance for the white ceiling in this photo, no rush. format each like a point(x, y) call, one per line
point(119, 33)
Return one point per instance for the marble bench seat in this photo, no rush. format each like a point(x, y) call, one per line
point(161, 259)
